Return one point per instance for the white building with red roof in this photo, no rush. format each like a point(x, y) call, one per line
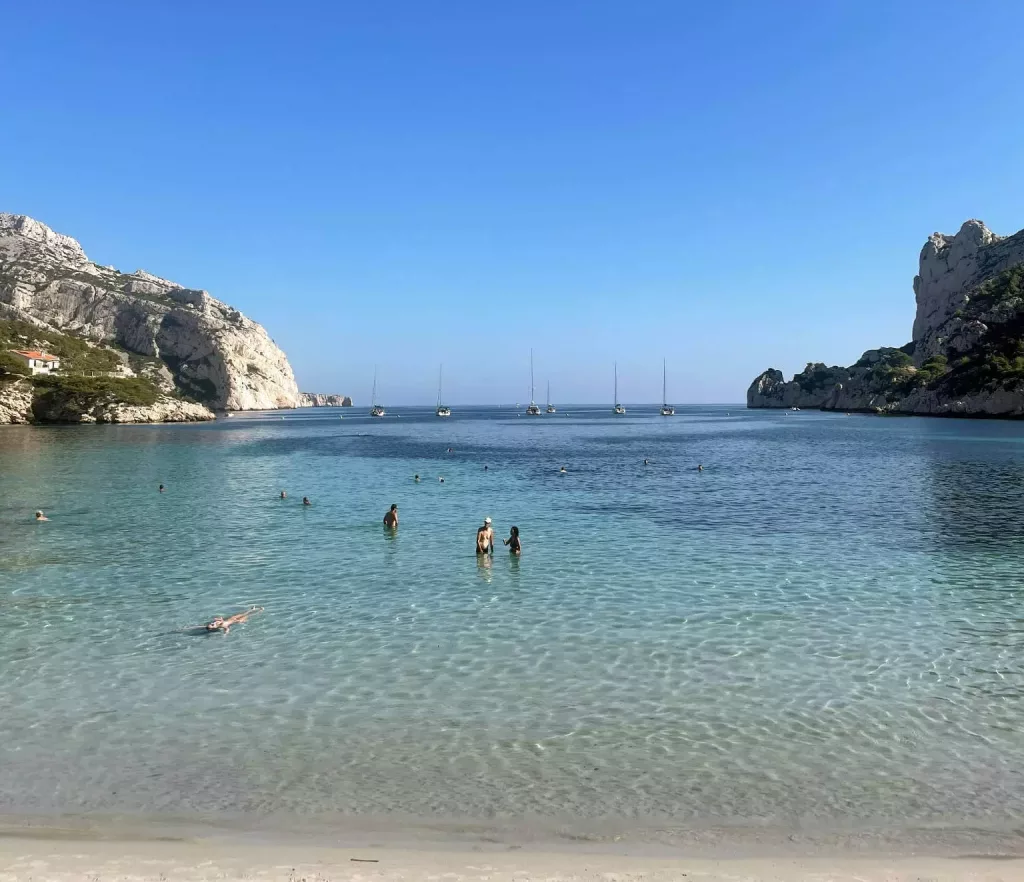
point(38, 362)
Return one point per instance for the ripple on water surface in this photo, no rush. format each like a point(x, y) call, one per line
point(825, 624)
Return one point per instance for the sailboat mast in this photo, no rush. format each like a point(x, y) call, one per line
point(664, 382)
point(440, 373)
point(616, 384)
point(531, 378)
point(373, 394)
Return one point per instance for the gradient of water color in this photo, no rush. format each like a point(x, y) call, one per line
point(826, 624)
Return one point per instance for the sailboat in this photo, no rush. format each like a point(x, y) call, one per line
point(550, 407)
point(618, 409)
point(441, 411)
point(532, 410)
point(665, 409)
point(375, 409)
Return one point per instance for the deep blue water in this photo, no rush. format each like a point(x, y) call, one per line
point(827, 623)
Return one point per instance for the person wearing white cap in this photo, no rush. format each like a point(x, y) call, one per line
point(485, 538)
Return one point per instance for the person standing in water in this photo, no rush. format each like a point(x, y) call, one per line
point(485, 538)
point(513, 543)
point(391, 518)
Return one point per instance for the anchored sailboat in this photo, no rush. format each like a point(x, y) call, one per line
point(375, 409)
point(665, 409)
point(618, 409)
point(532, 410)
point(550, 407)
point(441, 411)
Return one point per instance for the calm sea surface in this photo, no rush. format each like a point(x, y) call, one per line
point(825, 626)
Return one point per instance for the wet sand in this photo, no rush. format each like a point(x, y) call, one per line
point(47, 860)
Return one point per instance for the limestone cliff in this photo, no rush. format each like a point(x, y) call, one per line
point(214, 353)
point(967, 353)
point(318, 399)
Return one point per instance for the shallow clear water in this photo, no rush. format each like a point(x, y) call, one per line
point(827, 624)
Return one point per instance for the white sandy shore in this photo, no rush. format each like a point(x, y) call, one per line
point(43, 860)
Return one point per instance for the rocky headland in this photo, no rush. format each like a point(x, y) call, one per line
point(966, 357)
point(185, 353)
point(317, 399)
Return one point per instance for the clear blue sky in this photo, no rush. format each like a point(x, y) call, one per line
point(733, 185)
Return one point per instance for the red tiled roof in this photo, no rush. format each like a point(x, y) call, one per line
point(33, 353)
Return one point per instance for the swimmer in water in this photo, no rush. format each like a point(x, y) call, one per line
point(563, 471)
point(305, 500)
point(440, 480)
point(647, 462)
point(284, 495)
point(219, 623)
point(391, 518)
point(485, 468)
point(41, 517)
point(514, 546)
point(416, 478)
point(485, 538)
point(700, 468)
point(161, 488)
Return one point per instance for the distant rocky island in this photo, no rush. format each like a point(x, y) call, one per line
point(131, 347)
point(966, 357)
point(316, 399)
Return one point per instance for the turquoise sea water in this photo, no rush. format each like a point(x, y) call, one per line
point(826, 626)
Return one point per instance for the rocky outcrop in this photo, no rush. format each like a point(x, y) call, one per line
point(165, 410)
point(15, 402)
point(967, 355)
point(316, 399)
point(950, 266)
point(214, 353)
point(21, 403)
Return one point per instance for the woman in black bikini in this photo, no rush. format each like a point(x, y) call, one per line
point(512, 542)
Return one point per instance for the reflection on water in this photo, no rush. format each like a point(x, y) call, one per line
point(825, 624)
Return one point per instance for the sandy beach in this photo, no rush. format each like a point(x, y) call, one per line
point(22, 860)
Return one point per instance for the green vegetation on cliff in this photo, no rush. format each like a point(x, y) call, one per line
point(88, 392)
point(83, 381)
point(12, 366)
point(998, 356)
point(76, 355)
point(816, 377)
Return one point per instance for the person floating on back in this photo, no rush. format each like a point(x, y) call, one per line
point(513, 543)
point(485, 538)
point(391, 518)
point(219, 623)
point(41, 517)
